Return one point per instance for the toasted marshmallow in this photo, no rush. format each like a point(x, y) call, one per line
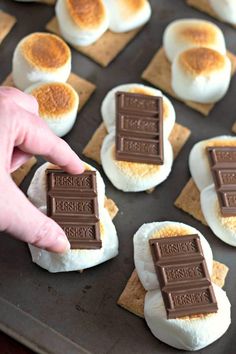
point(201, 75)
point(75, 259)
point(40, 57)
point(198, 160)
point(108, 108)
point(126, 15)
point(82, 22)
point(225, 9)
point(223, 227)
point(181, 35)
point(58, 105)
point(132, 176)
point(142, 254)
point(190, 332)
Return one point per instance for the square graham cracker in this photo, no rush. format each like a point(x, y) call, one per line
point(178, 138)
point(111, 207)
point(6, 23)
point(19, 175)
point(106, 48)
point(204, 6)
point(189, 201)
point(158, 73)
point(83, 87)
point(132, 297)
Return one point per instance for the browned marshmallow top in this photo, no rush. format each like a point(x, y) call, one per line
point(87, 14)
point(197, 61)
point(45, 51)
point(55, 99)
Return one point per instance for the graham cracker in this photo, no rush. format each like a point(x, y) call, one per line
point(111, 207)
point(93, 148)
point(219, 273)
point(178, 138)
point(19, 175)
point(83, 87)
point(204, 6)
point(106, 48)
point(189, 201)
point(132, 297)
point(234, 128)
point(158, 73)
point(6, 23)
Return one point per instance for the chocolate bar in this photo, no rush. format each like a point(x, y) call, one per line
point(139, 128)
point(72, 203)
point(223, 167)
point(183, 276)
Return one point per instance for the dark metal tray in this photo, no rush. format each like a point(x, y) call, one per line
point(82, 307)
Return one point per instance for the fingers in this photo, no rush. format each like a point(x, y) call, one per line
point(27, 223)
point(18, 159)
point(31, 135)
point(20, 98)
point(39, 140)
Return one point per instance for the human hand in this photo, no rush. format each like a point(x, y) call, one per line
point(23, 134)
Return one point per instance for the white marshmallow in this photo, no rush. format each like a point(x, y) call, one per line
point(126, 15)
point(183, 34)
point(198, 160)
point(130, 176)
point(73, 259)
point(187, 334)
point(201, 75)
point(82, 23)
point(223, 227)
point(225, 9)
point(58, 105)
point(142, 254)
point(108, 109)
point(40, 57)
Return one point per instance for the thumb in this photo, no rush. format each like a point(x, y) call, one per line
point(25, 222)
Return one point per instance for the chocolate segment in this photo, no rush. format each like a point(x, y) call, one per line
point(139, 128)
point(183, 276)
point(223, 168)
point(72, 203)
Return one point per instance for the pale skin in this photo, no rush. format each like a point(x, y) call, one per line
point(23, 134)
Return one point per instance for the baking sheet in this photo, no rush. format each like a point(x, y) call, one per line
point(82, 307)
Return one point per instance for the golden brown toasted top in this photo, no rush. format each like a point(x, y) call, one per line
point(197, 61)
point(136, 169)
point(45, 51)
point(199, 33)
point(132, 6)
point(221, 143)
point(55, 99)
point(171, 231)
point(87, 14)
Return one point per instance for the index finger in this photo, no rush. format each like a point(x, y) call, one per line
point(34, 137)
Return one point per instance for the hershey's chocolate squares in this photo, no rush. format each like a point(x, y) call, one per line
point(72, 203)
point(139, 128)
point(183, 276)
